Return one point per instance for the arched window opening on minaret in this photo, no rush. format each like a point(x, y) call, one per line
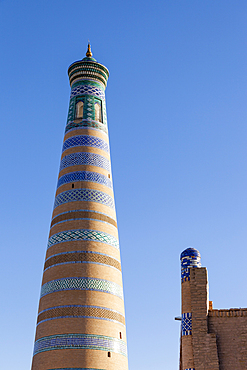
point(97, 110)
point(79, 109)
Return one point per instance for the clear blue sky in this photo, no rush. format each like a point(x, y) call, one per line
point(176, 101)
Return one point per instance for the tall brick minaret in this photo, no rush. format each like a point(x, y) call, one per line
point(81, 322)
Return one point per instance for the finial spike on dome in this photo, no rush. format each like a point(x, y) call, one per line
point(89, 53)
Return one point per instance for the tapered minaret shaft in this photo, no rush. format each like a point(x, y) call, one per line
point(81, 322)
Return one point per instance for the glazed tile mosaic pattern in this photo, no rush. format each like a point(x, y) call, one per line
point(76, 311)
point(82, 257)
point(79, 341)
point(84, 195)
point(187, 323)
point(87, 89)
point(91, 159)
point(92, 235)
point(85, 140)
point(85, 176)
point(94, 284)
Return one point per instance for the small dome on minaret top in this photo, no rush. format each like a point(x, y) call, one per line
point(88, 69)
point(190, 258)
point(190, 252)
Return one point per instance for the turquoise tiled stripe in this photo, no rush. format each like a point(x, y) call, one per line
point(83, 234)
point(80, 341)
point(80, 283)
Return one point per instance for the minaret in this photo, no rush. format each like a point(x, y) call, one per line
point(190, 258)
point(81, 323)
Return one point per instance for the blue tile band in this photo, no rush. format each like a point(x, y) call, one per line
point(84, 176)
point(83, 234)
point(85, 159)
point(80, 341)
point(79, 283)
point(87, 90)
point(80, 311)
point(84, 195)
point(187, 323)
point(85, 140)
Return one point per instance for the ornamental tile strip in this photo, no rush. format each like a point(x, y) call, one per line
point(86, 123)
point(83, 234)
point(85, 176)
point(81, 257)
point(80, 341)
point(85, 140)
point(84, 195)
point(85, 158)
point(88, 90)
point(80, 311)
point(83, 214)
point(187, 323)
point(81, 283)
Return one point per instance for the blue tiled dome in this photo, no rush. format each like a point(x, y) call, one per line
point(190, 252)
point(190, 258)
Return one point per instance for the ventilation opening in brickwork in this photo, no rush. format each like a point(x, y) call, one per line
point(120, 335)
point(109, 175)
point(73, 185)
point(109, 354)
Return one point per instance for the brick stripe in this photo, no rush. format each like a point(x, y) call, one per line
point(81, 256)
point(80, 341)
point(80, 311)
point(83, 214)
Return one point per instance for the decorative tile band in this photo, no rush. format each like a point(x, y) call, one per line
point(81, 257)
point(93, 284)
point(85, 140)
point(83, 214)
point(190, 258)
point(85, 159)
point(86, 123)
point(87, 90)
point(79, 311)
point(187, 323)
point(84, 176)
point(83, 234)
point(80, 341)
point(84, 195)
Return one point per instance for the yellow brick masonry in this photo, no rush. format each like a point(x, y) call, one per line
point(219, 337)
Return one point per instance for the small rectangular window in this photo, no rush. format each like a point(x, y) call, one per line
point(109, 354)
point(120, 335)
